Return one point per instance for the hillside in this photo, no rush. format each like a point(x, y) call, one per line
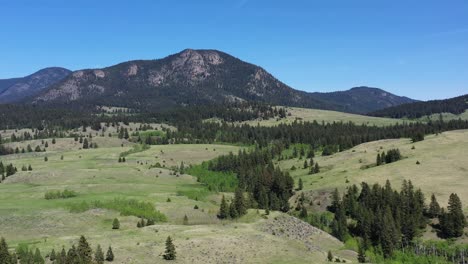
point(17, 89)
point(327, 116)
point(194, 77)
point(96, 175)
point(456, 106)
point(442, 168)
point(363, 99)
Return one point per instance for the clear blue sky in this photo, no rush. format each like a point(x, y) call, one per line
point(413, 48)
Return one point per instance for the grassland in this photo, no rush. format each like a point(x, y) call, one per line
point(445, 117)
point(443, 166)
point(97, 178)
point(305, 114)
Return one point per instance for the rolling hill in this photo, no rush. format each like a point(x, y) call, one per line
point(456, 106)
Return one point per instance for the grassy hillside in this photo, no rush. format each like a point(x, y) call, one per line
point(445, 116)
point(442, 170)
point(26, 217)
point(306, 114)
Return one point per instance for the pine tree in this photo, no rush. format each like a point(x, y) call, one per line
point(72, 256)
point(316, 168)
point(99, 255)
point(84, 251)
point(186, 222)
point(233, 211)
point(453, 222)
point(361, 254)
point(223, 209)
point(239, 202)
point(85, 143)
point(434, 207)
point(303, 213)
point(115, 224)
point(330, 256)
point(109, 255)
point(46, 159)
point(52, 255)
point(305, 164)
point(339, 224)
point(38, 259)
point(5, 256)
point(301, 184)
point(29, 167)
point(378, 160)
point(170, 253)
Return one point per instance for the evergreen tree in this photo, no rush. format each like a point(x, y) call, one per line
point(52, 255)
point(330, 256)
point(434, 207)
point(453, 222)
point(38, 259)
point(339, 225)
point(239, 202)
point(5, 256)
point(109, 255)
point(223, 209)
point(233, 213)
point(305, 164)
point(303, 213)
point(170, 253)
point(316, 168)
point(301, 184)
point(84, 251)
point(46, 159)
point(186, 221)
point(115, 224)
point(99, 255)
point(361, 254)
point(72, 256)
point(85, 144)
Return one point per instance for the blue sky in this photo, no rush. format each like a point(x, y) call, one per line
point(413, 48)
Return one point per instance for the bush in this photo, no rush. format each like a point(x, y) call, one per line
point(49, 195)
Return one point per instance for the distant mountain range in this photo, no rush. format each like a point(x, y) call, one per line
point(191, 77)
point(17, 89)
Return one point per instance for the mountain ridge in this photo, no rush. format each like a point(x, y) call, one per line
point(196, 77)
point(16, 89)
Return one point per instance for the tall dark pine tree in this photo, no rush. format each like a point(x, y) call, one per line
point(84, 251)
point(239, 202)
point(223, 209)
point(453, 222)
point(110, 254)
point(434, 207)
point(5, 256)
point(170, 253)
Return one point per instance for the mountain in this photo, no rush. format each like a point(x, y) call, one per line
point(17, 89)
point(456, 105)
point(194, 77)
point(363, 99)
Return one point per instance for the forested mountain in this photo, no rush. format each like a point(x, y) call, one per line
point(456, 105)
point(363, 99)
point(16, 89)
point(195, 77)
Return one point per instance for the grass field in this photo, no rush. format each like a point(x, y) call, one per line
point(26, 217)
point(443, 169)
point(305, 114)
point(445, 116)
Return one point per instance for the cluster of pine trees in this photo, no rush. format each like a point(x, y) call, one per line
point(237, 208)
point(391, 156)
point(82, 254)
point(268, 186)
point(389, 220)
point(6, 171)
